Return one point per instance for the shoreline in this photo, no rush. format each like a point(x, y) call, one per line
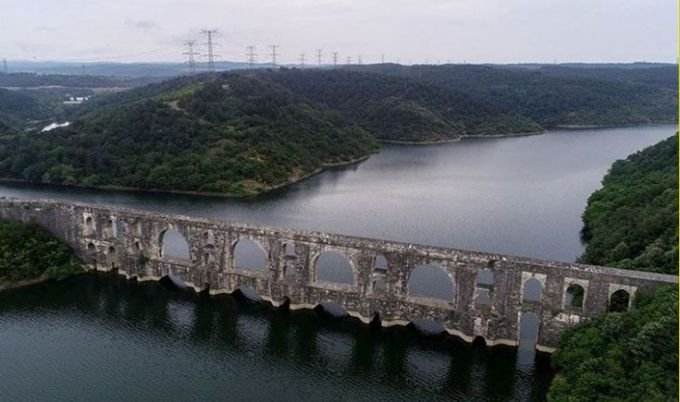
point(194, 193)
point(23, 283)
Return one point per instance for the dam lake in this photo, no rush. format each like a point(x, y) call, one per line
point(101, 337)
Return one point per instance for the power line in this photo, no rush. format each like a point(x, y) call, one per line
point(211, 55)
point(318, 56)
point(302, 60)
point(273, 54)
point(190, 53)
point(251, 56)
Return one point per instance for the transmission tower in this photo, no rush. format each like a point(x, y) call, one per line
point(251, 56)
point(349, 60)
point(302, 60)
point(382, 59)
point(211, 56)
point(335, 59)
point(4, 66)
point(190, 53)
point(318, 56)
point(273, 54)
point(359, 59)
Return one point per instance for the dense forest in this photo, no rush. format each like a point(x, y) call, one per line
point(248, 132)
point(631, 356)
point(554, 96)
point(397, 109)
point(226, 134)
point(29, 252)
point(632, 222)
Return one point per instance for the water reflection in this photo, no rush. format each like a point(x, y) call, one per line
point(161, 343)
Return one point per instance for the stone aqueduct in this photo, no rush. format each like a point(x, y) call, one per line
point(130, 241)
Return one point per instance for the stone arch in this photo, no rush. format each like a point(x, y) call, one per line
point(112, 257)
point(485, 277)
point(432, 281)
point(91, 247)
point(574, 296)
point(619, 301)
point(532, 290)
point(110, 228)
point(331, 266)
point(248, 255)
point(428, 326)
point(173, 245)
point(529, 329)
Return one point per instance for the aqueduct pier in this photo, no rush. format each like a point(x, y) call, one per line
point(488, 301)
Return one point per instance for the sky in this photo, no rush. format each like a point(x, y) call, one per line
point(416, 31)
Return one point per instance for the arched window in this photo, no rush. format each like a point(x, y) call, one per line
point(174, 246)
point(430, 280)
point(334, 267)
point(574, 296)
point(290, 250)
point(485, 277)
point(531, 292)
point(380, 263)
point(619, 301)
point(379, 284)
point(248, 256)
point(89, 226)
point(91, 247)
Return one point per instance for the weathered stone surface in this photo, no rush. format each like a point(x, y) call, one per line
point(130, 241)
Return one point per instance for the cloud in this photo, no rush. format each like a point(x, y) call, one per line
point(144, 25)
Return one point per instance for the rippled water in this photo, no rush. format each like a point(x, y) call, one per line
point(100, 337)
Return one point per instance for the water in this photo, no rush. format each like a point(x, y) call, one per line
point(100, 337)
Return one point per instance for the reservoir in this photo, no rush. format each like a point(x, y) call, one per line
point(101, 337)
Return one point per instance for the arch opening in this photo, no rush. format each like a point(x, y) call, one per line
point(209, 239)
point(249, 294)
point(290, 250)
point(619, 301)
point(333, 309)
point(248, 256)
point(289, 270)
point(485, 277)
point(91, 247)
point(430, 280)
point(483, 300)
point(428, 326)
point(333, 267)
point(531, 292)
point(89, 225)
point(138, 246)
point(528, 330)
point(380, 263)
point(379, 284)
point(574, 296)
point(174, 246)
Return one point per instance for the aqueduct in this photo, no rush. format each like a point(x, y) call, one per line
point(482, 294)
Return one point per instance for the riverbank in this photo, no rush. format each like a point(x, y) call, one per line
point(7, 285)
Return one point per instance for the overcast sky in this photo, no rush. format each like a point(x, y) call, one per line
point(414, 31)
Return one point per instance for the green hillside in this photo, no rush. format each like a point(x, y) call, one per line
point(229, 134)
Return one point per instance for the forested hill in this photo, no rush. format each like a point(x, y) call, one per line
point(398, 109)
point(226, 134)
point(556, 96)
point(632, 221)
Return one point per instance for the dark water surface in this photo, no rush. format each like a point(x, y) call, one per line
point(99, 337)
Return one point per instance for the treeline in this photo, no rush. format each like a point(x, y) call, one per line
point(397, 109)
point(29, 252)
point(232, 135)
point(554, 97)
point(632, 222)
point(31, 80)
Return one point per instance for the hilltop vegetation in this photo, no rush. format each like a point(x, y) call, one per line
point(29, 252)
point(554, 97)
point(248, 132)
point(231, 135)
point(396, 109)
point(630, 356)
point(632, 222)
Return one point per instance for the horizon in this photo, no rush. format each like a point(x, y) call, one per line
point(434, 32)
